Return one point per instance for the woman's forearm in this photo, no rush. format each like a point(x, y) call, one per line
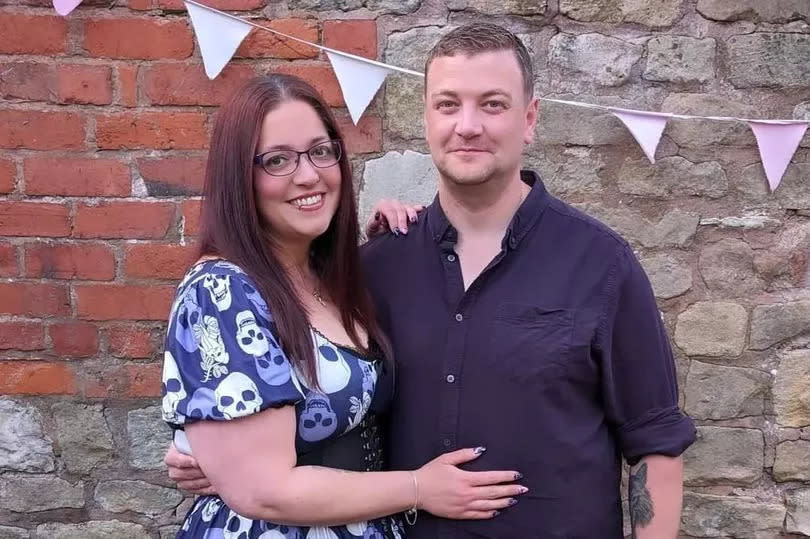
point(656, 496)
point(313, 495)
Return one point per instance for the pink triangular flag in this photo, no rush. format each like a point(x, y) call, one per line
point(646, 128)
point(358, 80)
point(777, 141)
point(218, 34)
point(64, 7)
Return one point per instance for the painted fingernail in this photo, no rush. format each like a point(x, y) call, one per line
point(496, 513)
point(412, 218)
point(512, 501)
point(524, 490)
point(395, 231)
point(480, 449)
point(518, 476)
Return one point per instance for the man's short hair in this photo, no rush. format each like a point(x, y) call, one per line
point(476, 38)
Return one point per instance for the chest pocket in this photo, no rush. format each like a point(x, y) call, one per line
point(531, 341)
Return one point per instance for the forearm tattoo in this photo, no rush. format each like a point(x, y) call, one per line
point(641, 505)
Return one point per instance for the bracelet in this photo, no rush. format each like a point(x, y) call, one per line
point(411, 514)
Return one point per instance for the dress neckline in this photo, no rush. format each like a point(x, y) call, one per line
point(355, 351)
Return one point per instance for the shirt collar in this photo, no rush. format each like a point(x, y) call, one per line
point(522, 222)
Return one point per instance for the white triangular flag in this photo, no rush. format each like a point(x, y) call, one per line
point(646, 128)
point(777, 141)
point(359, 81)
point(64, 7)
point(218, 35)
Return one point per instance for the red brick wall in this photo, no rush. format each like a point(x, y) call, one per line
point(104, 122)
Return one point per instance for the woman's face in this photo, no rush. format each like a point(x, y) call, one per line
point(297, 205)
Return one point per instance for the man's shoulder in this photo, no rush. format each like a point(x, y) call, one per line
point(377, 249)
point(388, 248)
point(584, 226)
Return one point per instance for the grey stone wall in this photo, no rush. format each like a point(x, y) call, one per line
point(84, 471)
point(727, 259)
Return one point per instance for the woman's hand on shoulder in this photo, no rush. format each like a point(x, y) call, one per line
point(390, 215)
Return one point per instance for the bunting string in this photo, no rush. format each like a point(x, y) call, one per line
point(219, 35)
point(303, 41)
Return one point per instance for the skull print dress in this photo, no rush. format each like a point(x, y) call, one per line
point(222, 361)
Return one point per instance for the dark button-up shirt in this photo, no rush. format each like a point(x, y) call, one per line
point(555, 358)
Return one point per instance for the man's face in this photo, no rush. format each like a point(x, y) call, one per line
point(477, 117)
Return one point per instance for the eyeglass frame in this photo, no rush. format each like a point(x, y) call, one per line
point(257, 159)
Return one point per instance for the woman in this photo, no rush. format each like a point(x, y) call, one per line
point(287, 432)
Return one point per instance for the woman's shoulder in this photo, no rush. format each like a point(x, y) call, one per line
point(227, 285)
point(205, 269)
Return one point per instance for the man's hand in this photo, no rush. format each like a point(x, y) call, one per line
point(391, 215)
point(184, 470)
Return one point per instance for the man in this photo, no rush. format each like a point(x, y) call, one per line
point(522, 325)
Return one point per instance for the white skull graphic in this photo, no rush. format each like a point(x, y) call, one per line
point(333, 371)
point(237, 396)
point(317, 421)
point(237, 527)
point(219, 287)
point(173, 390)
point(212, 348)
point(321, 532)
point(252, 339)
point(358, 528)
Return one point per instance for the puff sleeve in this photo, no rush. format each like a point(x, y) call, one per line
point(222, 359)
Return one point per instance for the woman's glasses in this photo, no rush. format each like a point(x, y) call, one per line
point(284, 162)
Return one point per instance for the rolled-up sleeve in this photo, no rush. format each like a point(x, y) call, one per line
point(640, 387)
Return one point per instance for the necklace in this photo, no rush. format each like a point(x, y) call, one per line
point(318, 297)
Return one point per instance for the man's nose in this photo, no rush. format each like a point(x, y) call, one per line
point(469, 122)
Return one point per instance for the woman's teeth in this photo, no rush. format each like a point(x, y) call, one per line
point(307, 201)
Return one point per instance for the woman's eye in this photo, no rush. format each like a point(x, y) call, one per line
point(276, 161)
point(321, 151)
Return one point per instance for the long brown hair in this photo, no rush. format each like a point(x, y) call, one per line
point(231, 226)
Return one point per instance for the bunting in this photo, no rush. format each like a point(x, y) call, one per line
point(358, 80)
point(64, 7)
point(777, 141)
point(219, 35)
point(646, 128)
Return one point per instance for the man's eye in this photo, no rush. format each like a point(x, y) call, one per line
point(494, 105)
point(445, 104)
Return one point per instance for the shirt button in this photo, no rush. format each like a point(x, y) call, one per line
point(447, 442)
point(450, 378)
point(459, 317)
point(451, 258)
